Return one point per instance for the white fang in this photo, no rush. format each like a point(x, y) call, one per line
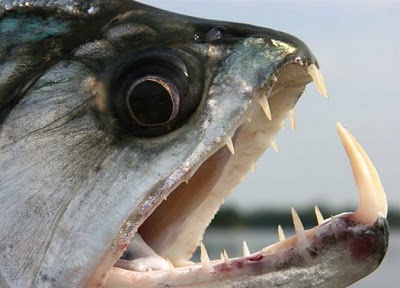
point(373, 201)
point(265, 106)
point(228, 142)
point(275, 146)
point(318, 214)
point(246, 251)
point(203, 254)
point(292, 116)
point(225, 256)
point(298, 226)
point(318, 79)
point(281, 233)
point(170, 265)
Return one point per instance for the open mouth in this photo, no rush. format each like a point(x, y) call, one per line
point(160, 250)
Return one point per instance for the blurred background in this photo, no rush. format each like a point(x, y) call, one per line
point(357, 44)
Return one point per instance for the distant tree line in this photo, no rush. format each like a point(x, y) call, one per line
point(234, 217)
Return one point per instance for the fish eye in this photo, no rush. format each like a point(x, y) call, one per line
point(154, 92)
point(153, 101)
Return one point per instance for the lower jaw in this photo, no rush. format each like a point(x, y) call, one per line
point(339, 251)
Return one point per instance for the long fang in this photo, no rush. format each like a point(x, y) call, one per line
point(246, 251)
point(318, 79)
point(318, 214)
point(281, 233)
point(265, 107)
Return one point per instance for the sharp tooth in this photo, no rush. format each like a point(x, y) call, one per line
point(273, 77)
point(292, 116)
point(265, 107)
point(318, 79)
point(275, 146)
point(318, 213)
point(170, 265)
point(281, 233)
point(373, 201)
point(382, 199)
point(203, 254)
point(246, 251)
point(253, 167)
point(380, 192)
point(298, 226)
point(225, 256)
point(228, 142)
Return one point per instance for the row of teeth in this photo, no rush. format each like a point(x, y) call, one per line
point(317, 77)
point(227, 141)
point(371, 193)
point(153, 262)
point(298, 226)
point(372, 202)
point(319, 82)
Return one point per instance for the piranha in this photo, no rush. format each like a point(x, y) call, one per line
point(124, 127)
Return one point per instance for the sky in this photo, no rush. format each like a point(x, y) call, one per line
point(357, 44)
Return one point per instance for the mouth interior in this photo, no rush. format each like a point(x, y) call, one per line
point(174, 230)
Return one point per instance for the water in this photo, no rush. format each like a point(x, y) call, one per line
point(216, 240)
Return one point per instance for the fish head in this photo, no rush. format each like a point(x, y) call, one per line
point(123, 125)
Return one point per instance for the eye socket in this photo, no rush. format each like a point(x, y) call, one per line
point(153, 101)
point(155, 91)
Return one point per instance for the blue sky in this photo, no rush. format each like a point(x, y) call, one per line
point(357, 44)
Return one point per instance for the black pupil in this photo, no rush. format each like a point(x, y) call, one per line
point(151, 103)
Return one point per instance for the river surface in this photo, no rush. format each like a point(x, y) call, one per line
point(216, 240)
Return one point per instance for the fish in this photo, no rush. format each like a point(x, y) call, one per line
point(123, 128)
